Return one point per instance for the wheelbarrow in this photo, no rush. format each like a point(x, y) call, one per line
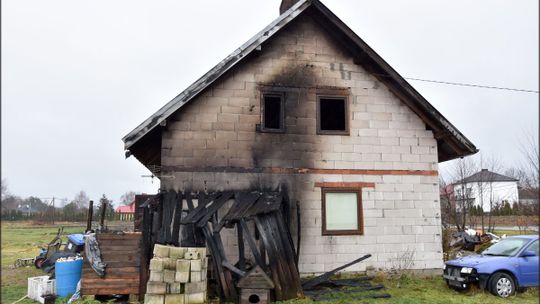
point(47, 256)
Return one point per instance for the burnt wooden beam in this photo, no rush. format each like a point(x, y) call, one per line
point(285, 245)
point(277, 250)
point(262, 250)
point(276, 269)
point(346, 282)
point(102, 216)
point(214, 207)
point(231, 267)
point(252, 244)
point(285, 234)
point(189, 201)
point(241, 249)
point(326, 276)
point(298, 233)
point(89, 216)
point(196, 213)
point(146, 247)
point(206, 203)
point(168, 205)
point(243, 201)
point(224, 287)
point(176, 221)
point(267, 203)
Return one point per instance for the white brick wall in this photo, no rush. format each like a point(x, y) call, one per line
point(217, 129)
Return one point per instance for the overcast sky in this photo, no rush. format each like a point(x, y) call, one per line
point(79, 75)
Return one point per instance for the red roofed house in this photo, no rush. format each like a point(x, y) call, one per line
point(126, 211)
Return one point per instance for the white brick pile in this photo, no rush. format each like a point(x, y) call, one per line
point(177, 275)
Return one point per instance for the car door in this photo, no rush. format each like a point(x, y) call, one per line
point(528, 267)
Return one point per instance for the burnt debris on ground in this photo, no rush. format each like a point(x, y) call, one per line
point(323, 287)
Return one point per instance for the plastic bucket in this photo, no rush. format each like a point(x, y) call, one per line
point(68, 274)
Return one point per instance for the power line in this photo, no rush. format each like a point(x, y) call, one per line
point(472, 85)
point(453, 83)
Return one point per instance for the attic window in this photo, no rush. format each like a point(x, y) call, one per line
point(332, 115)
point(273, 114)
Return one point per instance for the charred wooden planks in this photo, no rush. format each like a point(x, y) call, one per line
point(264, 209)
point(122, 254)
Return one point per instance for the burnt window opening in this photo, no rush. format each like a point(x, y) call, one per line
point(332, 115)
point(273, 113)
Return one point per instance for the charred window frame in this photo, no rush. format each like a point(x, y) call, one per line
point(272, 112)
point(332, 115)
point(329, 201)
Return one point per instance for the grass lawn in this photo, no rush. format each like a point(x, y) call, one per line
point(413, 290)
point(21, 240)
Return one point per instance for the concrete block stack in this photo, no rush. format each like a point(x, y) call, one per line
point(177, 275)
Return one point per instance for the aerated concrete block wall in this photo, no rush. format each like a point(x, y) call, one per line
point(212, 144)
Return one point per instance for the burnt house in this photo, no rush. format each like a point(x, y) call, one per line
point(308, 109)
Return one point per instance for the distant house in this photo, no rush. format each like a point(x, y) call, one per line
point(486, 189)
point(27, 210)
point(126, 211)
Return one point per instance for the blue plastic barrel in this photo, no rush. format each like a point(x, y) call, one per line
point(68, 274)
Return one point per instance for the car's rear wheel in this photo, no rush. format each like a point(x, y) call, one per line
point(502, 285)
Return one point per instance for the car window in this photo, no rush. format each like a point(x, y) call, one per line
point(534, 247)
point(506, 247)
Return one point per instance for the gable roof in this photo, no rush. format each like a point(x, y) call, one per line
point(256, 278)
point(450, 141)
point(487, 176)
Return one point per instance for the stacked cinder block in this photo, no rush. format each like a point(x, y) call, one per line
point(177, 275)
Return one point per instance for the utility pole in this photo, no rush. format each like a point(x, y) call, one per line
point(53, 210)
point(89, 216)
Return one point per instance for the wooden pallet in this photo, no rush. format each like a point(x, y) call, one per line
point(122, 254)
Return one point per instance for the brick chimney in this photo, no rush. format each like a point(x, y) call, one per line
point(285, 5)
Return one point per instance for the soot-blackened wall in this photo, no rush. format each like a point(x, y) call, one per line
point(212, 144)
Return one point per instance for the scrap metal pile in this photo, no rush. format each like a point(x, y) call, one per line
point(469, 242)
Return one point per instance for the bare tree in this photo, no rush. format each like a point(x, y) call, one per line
point(449, 215)
point(455, 198)
point(464, 167)
point(530, 162)
point(5, 192)
point(128, 197)
point(81, 199)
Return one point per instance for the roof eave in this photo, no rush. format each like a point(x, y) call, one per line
point(198, 86)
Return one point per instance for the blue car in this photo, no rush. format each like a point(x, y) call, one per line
point(507, 266)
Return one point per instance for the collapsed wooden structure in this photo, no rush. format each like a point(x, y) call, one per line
point(261, 220)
